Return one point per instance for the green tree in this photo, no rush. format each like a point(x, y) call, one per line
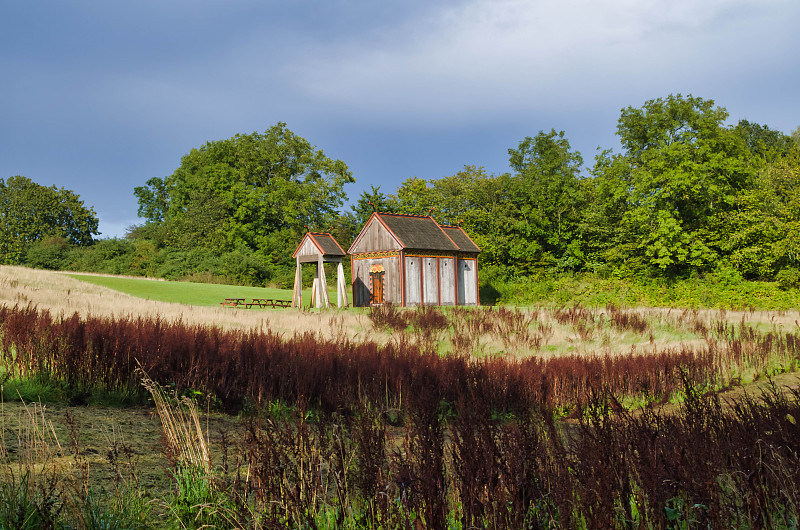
point(153, 200)
point(414, 197)
point(30, 212)
point(548, 194)
point(765, 142)
point(255, 191)
point(762, 236)
point(449, 199)
point(680, 175)
point(368, 202)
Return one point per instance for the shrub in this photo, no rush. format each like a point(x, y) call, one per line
point(788, 278)
point(47, 254)
point(728, 276)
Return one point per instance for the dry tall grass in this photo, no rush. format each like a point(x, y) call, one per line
point(37, 449)
point(186, 440)
point(552, 332)
point(63, 295)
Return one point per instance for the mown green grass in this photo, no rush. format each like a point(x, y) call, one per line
point(188, 293)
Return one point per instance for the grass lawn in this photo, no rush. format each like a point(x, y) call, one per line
point(199, 294)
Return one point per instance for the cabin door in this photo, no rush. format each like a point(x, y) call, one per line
point(377, 287)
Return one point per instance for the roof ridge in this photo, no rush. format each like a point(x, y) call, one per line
point(407, 215)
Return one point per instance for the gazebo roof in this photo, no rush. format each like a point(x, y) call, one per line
point(323, 243)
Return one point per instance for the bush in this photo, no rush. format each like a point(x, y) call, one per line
point(108, 256)
point(47, 254)
point(728, 276)
point(240, 267)
point(788, 278)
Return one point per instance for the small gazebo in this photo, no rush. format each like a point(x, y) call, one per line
point(319, 248)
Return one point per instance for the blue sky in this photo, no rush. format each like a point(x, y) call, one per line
point(97, 96)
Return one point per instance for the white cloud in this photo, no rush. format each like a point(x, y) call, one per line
point(485, 57)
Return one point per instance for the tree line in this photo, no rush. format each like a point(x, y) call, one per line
point(687, 195)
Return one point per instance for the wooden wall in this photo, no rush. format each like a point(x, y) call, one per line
point(423, 279)
point(308, 251)
point(374, 238)
point(413, 280)
point(467, 281)
point(362, 287)
point(430, 281)
point(447, 281)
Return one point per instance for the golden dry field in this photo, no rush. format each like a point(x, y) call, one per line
point(553, 331)
point(62, 294)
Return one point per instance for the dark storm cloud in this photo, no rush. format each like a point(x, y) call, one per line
point(100, 96)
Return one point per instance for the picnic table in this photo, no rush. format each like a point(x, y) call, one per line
point(258, 302)
point(271, 302)
point(233, 302)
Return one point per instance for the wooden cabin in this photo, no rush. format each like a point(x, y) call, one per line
point(411, 260)
point(319, 248)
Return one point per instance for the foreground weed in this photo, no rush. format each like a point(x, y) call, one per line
point(32, 493)
point(186, 442)
point(127, 510)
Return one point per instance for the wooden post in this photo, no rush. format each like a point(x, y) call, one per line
point(322, 293)
point(341, 287)
point(297, 293)
point(314, 293)
point(338, 287)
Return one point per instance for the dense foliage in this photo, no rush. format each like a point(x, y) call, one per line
point(687, 196)
point(31, 213)
point(251, 194)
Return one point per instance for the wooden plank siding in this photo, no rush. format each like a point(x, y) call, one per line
point(467, 281)
point(362, 283)
point(413, 280)
point(307, 252)
point(374, 237)
point(447, 281)
point(394, 287)
point(430, 281)
point(424, 263)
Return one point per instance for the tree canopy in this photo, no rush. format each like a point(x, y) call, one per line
point(679, 176)
point(254, 192)
point(30, 212)
point(688, 194)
